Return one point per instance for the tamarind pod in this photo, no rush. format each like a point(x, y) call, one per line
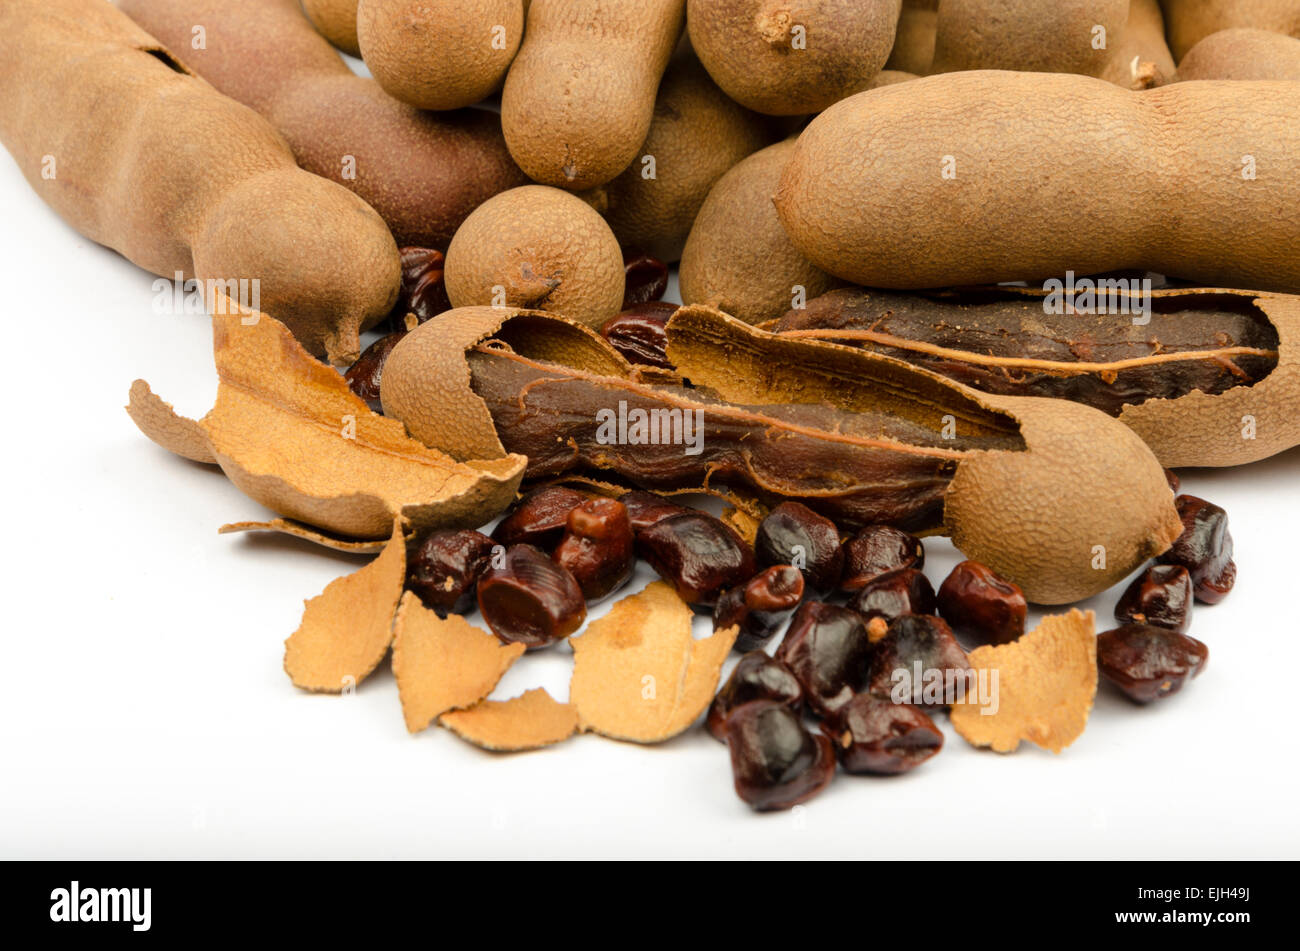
point(986, 176)
point(1028, 486)
point(1140, 58)
point(336, 20)
point(138, 154)
point(423, 172)
point(1049, 36)
point(1243, 53)
point(1206, 376)
point(1190, 21)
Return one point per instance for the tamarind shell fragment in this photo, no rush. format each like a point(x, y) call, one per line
point(1211, 379)
point(1030, 487)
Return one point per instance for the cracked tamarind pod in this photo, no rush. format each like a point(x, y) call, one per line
point(1055, 496)
point(140, 155)
point(1206, 377)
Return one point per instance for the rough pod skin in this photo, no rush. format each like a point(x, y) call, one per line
point(580, 95)
point(92, 109)
point(423, 173)
point(1243, 54)
point(786, 58)
point(1001, 508)
point(539, 248)
point(336, 20)
point(1048, 36)
point(1190, 21)
point(738, 257)
point(698, 133)
point(439, 54)
point(969, 177)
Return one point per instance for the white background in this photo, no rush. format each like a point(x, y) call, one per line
point(144, 712)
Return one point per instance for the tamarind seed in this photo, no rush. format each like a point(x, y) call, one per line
point(873, 735)
point(877, 549)
point(1161, 596)
point(528, 599)
point(1174, 482)
point(981, 606)
point(424, 288)
point(755, 677)
point(918, 642)
point(446, 567)
point(828, 650)
point(760, 606)
point(422, 294)
point(645, 278)
point(793, 534)
point(1204, 549)
point(775, 762)
point(1147, 662)
point(640, 333)
point(597, 547)
point(893, 594)
point(699, 555)
point(539, 518)
point(423, 291)
point(365, 377)
point(646, 508)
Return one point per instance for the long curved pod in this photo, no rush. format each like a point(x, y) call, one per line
point(983, 177)
point(140, 155)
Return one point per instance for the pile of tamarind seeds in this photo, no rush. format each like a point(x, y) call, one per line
point(986, 269)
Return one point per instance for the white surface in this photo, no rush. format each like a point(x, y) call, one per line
point(145, 713)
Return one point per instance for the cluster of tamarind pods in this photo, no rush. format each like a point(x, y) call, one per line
point(835, 177)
